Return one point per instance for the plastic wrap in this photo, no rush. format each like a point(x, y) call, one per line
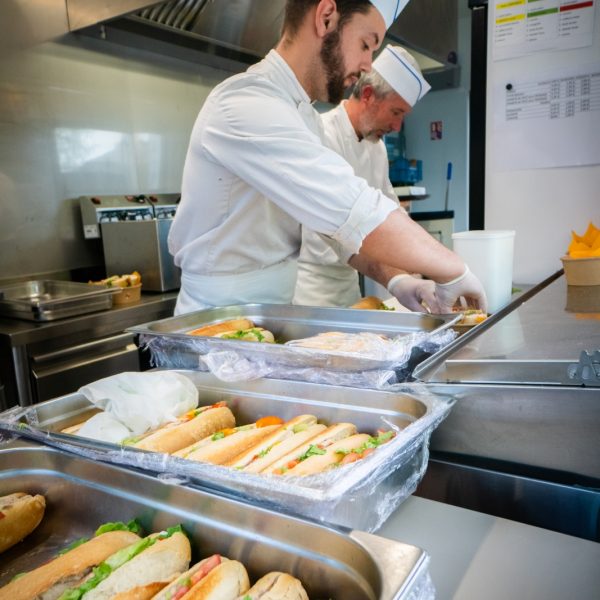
point(375, 363)
point(359, 496)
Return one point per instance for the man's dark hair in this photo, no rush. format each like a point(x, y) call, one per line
point(295, 11)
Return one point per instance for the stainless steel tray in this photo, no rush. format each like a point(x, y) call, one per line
point(172, 347)
point(82, 494)
point(46, 300)
point(361, 497)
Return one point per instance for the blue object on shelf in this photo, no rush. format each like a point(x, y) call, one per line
point(406, 172)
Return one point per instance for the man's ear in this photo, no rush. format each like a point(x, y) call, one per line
point(326, 17)
point(367, 94)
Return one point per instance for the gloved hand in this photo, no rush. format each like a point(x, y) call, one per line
point(467, 286)
point(412, 292)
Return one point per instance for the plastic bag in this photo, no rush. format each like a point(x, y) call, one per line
point(136, 402)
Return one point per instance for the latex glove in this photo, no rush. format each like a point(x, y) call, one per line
point(466, 286)
point(413, 292)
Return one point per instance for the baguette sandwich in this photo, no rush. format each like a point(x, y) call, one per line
point(222, 327)
point(343, 452)
point(281, 442)
point(370, 303)
point(138, 571)
point(226, 444)
point(214, 578)
point(253, 334)
point(20, 514)
point(69, 569)
point(276, 586)
point(316, 445)
point(186, 430)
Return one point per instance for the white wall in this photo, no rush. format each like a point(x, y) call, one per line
point(81, 117)
point(542, 205)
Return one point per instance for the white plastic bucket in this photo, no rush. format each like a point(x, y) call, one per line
point(489, 255)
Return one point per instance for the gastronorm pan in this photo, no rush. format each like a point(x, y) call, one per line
point(81, 495)
point(46, 300)
point(360, 496)
point(172, 346)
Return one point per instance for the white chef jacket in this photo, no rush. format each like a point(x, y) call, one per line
point(324, 279)
point(256, 169)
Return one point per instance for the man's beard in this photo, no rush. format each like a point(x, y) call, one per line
point(333, 61)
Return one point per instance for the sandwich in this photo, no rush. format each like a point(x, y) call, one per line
point(69, 569)
point(214, 578)
point(254, 334)
point(20, 514)
point(138, 571)
point(276, 586)
point(343, 452)
point(282, 441)
point(370, 303)
point(316, 445)
point(186, 430)
point(222, 327)
point(226, 444)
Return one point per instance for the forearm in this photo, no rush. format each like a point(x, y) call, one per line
point(400, 243)
point(379, 272)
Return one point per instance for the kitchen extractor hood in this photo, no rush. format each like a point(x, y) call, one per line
point(232, 34)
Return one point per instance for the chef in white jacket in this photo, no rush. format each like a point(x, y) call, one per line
point(256, 170)
point(355, 129)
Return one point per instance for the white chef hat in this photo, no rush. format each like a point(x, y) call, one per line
point(402, 73)
point(389, 9)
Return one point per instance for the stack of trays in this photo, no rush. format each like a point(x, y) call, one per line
point(360, 496)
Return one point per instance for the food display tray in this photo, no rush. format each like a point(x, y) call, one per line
point(47, 300)
point(81, 495)
point(360, 496)
point(172, 347)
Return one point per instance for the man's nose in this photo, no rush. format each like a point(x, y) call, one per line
point(397, 124)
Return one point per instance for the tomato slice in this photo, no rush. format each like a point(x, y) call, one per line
point(350, 458)
point(269, 420)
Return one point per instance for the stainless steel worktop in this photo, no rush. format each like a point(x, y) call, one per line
point(522, 439)
point(532, 344)
point(41, 360)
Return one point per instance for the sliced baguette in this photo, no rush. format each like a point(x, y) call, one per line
point(276, 586)
point(222, 450)
point(20, 514)
point(322, 462)
point(183, 433)
point(49, 579)
point(223, 326)
point(159, 563)
point(322, 440)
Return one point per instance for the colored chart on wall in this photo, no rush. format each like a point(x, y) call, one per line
point(521, 27)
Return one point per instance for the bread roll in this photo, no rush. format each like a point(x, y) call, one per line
point(318, 463)
point(215, 578)
point(369, 303)
point(68, 570)
point(187, 431)
point(320, 442)
point(160, 562)
point(219, 451)
point(223, 326)
point(276, 586)
point(20, 514)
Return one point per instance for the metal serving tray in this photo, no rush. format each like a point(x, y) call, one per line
point(46, 300)
point(360, 497)
point(81, 495)
point(172, 347)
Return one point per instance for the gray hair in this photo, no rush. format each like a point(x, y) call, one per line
point(381, 87)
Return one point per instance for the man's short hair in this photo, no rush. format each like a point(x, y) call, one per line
point(295, 11)
point(381, 88)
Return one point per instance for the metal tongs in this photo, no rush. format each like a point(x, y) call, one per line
point(587, 370)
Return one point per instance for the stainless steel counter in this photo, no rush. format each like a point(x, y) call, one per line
point(66, 352)
point(522, 439)
point(475, 556)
